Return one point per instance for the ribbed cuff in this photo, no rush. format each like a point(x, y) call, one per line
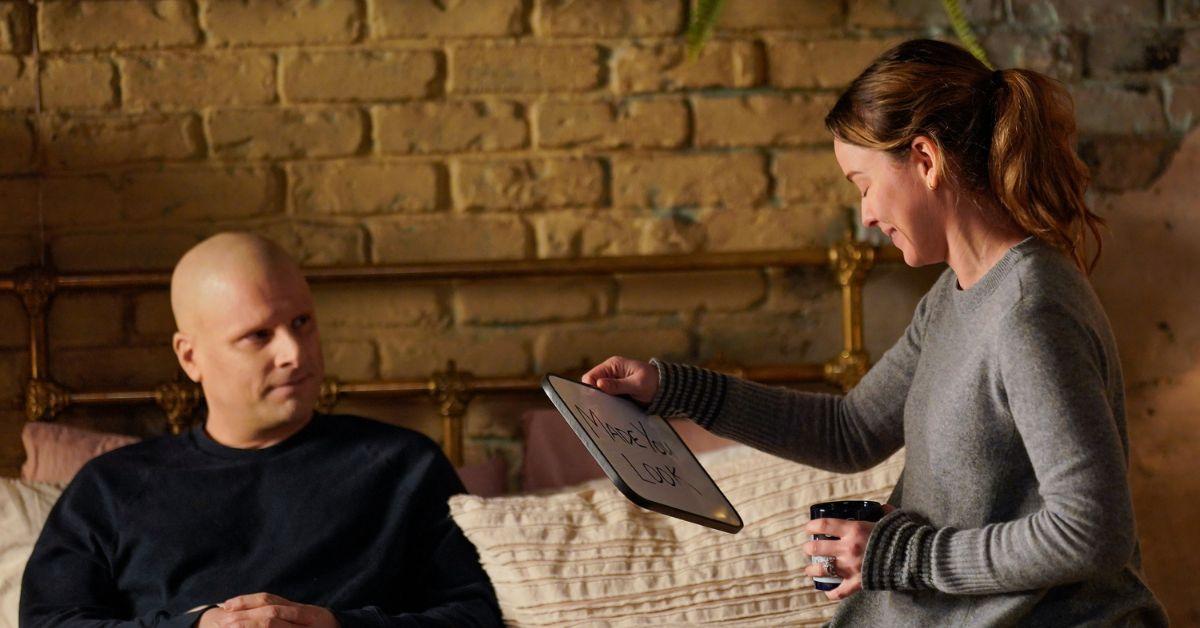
point(899, 554)
point(689, 391)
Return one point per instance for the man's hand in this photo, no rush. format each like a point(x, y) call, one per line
point(266, 611)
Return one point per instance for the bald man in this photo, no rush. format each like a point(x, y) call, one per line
point(266, 514)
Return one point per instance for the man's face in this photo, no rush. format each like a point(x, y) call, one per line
point(257, 350)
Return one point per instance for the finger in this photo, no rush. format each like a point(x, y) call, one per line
point(813, 570)
point(888, 508)
point(605, 369)
point(293, 614)
point(828, 526)
point(253, 600)
point(824, 548)
point(848, 587)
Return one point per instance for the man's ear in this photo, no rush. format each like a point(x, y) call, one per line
point(185, 352)
point(927, 156)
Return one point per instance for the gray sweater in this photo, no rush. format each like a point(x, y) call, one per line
point(1013, 507)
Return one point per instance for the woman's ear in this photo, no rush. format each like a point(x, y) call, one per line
point(927, 157)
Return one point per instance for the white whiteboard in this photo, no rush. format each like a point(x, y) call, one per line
point(642, 455)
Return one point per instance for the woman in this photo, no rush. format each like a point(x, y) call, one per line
point(1005, 389)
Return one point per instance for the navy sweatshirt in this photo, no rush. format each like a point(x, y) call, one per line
point(349, 514)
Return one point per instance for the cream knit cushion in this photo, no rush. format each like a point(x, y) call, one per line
point(23, 509)
point(587, 556)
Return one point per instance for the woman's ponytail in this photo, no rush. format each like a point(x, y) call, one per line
point(1033, 168)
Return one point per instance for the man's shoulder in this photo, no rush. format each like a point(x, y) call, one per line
point(354, 430)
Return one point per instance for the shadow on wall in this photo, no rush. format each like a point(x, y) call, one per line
point(1147, 283)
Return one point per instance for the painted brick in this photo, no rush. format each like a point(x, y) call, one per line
point(485, 354)
point(441, 239)
point(528, 301)
point(367, 187)
point(1059, 54)
point(157, 249)
point(419, 19)
point(610, 18)
point(350, 360)
point(723, 291)
point(318, 244)
point(153, 320)
point(765, 15)
point(164, 194)
point(768, 229)
point(444, 127)
point(760, 119)
point(201, 194)
point(114, 367)
point(528, 184)
point(633, 123)
point(18, 197)
point(1126, 163)
point(357, 307)
point(909, 14)
point(751, 338)
point(18, 250)
point(14, 374)
point(812, 176)
point(1184, 105)
point(16, 25)
point(525, 69)
point(1120, 51)
point(87, 141)
point(85, 320)
point(286, 133)
point(569, 347)
point(672, 180)
point(17, 88)
point(600, 233)
point(1076, 15)
point(78, 82)
point(82, 200)
point(198, 79)
point(16, 136)
point(654, 67)
point(1104, 109)
point(14, 334)
point(103, 24)
point(346, 311)
point(822, 63)
point(354, 75)
point(273, 22)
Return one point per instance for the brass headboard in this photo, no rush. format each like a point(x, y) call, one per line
point(451, 389)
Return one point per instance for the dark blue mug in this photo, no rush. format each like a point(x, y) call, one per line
point(851, 510)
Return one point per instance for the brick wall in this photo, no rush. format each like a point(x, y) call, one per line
point(380, 131)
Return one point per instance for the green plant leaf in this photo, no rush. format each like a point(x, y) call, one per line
point(964, 32)
point(700, 25)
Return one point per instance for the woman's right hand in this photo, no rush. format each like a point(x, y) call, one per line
point(624, 376)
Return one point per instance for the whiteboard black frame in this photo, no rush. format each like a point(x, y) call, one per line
point(609, 470)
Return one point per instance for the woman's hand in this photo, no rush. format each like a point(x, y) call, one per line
point(624, 376)
point(847, 551)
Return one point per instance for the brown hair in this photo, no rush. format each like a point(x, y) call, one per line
point(1007, 135)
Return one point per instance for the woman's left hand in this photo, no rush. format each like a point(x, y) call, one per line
point(847, 550)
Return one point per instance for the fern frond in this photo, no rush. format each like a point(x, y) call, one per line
point(703, 19)
point(962, 28)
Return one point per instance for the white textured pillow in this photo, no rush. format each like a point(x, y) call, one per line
point(24, 507)
point(587, 555)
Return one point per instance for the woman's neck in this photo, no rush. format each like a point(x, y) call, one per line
point(974, 244)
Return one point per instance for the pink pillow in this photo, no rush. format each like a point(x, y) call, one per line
point(554, 456)
point(55, 453)
point(485, 479)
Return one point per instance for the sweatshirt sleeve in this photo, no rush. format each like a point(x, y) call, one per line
point(840, 433)
point(447, 579)
point(1056, 378)
point(68, 580)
